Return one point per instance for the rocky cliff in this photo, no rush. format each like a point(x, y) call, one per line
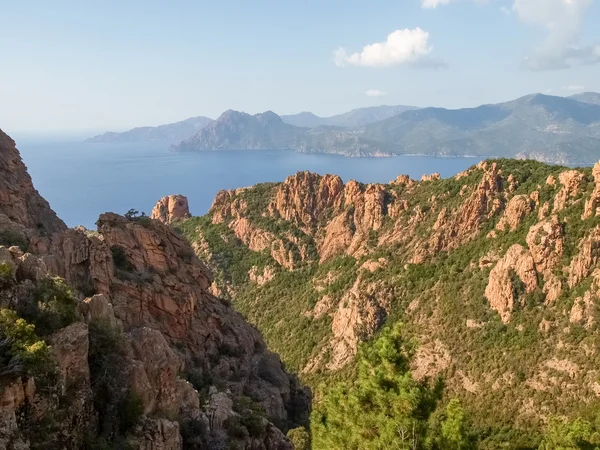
point(124, 345)
point(171, 208)
point(493, 272)
point(23, 209)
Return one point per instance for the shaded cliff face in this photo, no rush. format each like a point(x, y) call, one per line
point(132, 348)
point(22, 207)
point(493, 271)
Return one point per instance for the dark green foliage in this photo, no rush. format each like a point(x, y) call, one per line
point(119, 409)
point(6, 274)
point(53, 306)
point(131, 409)
point(384, 408)
point(120, 259)
point(8, 238)
point(249, 422)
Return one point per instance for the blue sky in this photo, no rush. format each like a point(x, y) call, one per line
point(112, 65)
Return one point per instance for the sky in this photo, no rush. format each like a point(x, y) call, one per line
point(112, 65)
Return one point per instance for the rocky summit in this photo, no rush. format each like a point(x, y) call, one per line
point(171, 208)
point(492, 273)
point(113, 339)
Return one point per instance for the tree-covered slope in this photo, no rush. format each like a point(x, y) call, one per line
point(493, 274)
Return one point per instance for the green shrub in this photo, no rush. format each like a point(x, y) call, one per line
point(51, 306)
point(119, 409)
point(23, 350)
point(300, 438)
point(8, 238)
point(131, 410)
point(120, 259)
point(6, 274)
point(251, 415)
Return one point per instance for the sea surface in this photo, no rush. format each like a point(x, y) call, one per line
point(82, 181)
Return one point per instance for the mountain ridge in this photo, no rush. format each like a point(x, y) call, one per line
point(494, 275)
point(170, 133)
point(552, 129)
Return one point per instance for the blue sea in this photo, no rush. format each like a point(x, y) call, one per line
point(82, 181)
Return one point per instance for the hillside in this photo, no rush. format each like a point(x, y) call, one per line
point(493, 273)
point(171, 133)
point(111, 339)
point(587, 97)
point(238, 130)
point(546, 128)
point(355, 118)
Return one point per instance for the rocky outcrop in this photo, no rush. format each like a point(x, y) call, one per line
point(303, 198)
point(22, 208)
point(171, 208)
point(591, 204)
point(360, 313)
point(504, 285)
point(431, 177)
point(589, 254)
point(546, 241)
point(571, 182)
point(141, 279)
point(13, 398)
point(518, 207)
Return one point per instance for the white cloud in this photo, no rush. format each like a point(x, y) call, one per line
point(375, 93)
point(574, 88)
point(506, 10)
point(434, 3)
point(562, 19)
point(402, 47)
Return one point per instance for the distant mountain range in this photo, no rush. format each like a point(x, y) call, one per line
point(355, 118)
point(548, 128)
point(587, 97)
point(170, 133)
point(174, 133)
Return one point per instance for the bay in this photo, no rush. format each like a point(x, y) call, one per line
point(81, 180)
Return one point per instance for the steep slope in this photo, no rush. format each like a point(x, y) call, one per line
point(493, 272)
point(126, 347)
point(170, 133)
point(22, 207)
point(355, 118)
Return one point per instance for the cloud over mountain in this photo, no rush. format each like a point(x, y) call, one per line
point(402, 47)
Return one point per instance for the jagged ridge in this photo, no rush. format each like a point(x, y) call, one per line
point(493, 271)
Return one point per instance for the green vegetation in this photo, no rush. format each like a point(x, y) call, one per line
point(249, 422)
point(575, 435)
point(8, 238)
point(6, 274)
point(442, 304)
point(119, 409)
point(54, 306)
point(22, 352)
point(139, 217)
point(300, 437)
point(385, 407)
